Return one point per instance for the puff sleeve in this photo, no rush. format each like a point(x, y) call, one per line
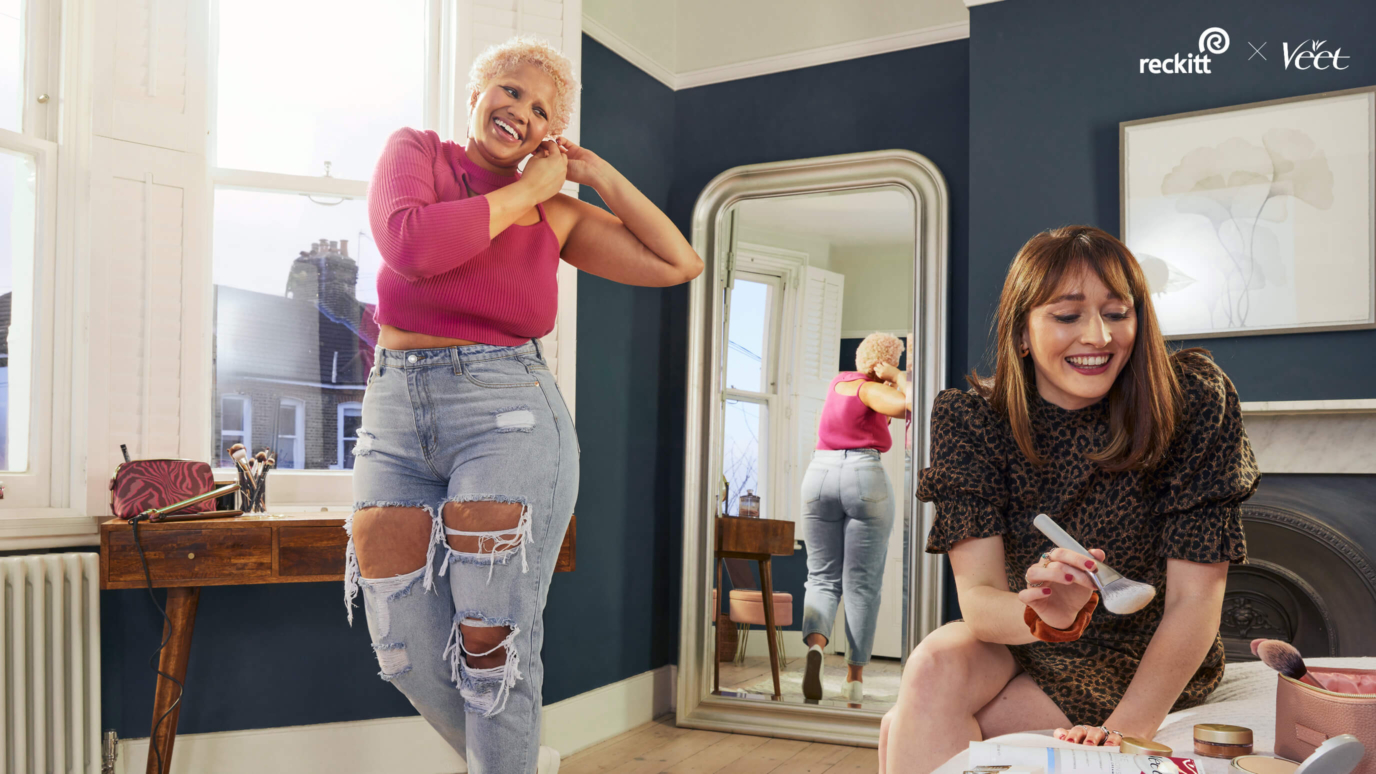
point(1208, 471)
point(966, 481)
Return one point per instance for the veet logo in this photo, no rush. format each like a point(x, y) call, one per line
point(1310, 55)
point(1214, 40)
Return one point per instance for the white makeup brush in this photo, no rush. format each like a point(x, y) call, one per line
point(1120, 595)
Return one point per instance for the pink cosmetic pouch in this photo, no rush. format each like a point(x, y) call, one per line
point(1306, 716)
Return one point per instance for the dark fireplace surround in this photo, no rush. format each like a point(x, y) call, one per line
point(1310, 576)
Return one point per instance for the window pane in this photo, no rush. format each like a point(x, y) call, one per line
point(12, 65)
point(286, 421)
point(302, 82)
point(232, 420)
point(293, 317)
point(746, 342)
point(744, 445)
point(18, 206)
point(350, 421)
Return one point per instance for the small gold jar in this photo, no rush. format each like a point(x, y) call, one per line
point(1134, 746)
point(1218, 740)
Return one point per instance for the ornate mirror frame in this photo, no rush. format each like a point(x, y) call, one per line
point(696, 706)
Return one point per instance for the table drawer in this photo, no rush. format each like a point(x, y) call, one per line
point(179, 555)
point(307, 551)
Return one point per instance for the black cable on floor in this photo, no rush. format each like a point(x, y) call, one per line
point(153, 659)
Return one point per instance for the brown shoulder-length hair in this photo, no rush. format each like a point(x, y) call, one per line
point(1145, 401)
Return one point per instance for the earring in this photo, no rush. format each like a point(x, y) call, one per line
point(1023, 352)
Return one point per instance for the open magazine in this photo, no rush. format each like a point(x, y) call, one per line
point(1002, 758)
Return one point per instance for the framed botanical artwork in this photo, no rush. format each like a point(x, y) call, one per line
point(1257, 218)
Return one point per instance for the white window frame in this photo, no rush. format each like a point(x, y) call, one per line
point(37, 509)
point(448, 50)
point(782, 270)
point(298, 444)
point(349, 408)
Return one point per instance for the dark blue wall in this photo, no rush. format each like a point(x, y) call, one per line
point(1049, 82)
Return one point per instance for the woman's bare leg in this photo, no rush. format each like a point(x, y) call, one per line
point(957, 689)
point(884, 738)
point(1020, 706)
point(947, 679)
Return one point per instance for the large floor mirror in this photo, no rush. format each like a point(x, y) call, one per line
point(824, 291)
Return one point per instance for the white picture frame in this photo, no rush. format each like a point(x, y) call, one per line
point(1255, 219)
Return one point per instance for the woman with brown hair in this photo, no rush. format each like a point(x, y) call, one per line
point(1090, 419)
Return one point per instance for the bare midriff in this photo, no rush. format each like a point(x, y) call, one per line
point(398, 339)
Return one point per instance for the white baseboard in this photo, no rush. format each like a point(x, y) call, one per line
point(372, 746)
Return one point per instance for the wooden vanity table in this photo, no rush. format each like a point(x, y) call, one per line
point(183, 556)
point(758, 540)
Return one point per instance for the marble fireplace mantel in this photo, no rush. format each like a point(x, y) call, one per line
point(1313, 436)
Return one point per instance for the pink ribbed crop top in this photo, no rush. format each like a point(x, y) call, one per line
point(847, 423)
point(442, 275)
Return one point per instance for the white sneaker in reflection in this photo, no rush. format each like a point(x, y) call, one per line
point(548, 762)
point(853, 692)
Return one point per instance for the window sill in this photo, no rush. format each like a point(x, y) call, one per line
point(32, 528)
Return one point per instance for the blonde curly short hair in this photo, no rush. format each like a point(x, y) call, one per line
point(527, 50)
point(878, 348)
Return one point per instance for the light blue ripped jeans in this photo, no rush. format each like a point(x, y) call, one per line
point(467, 424)
point(848, 511)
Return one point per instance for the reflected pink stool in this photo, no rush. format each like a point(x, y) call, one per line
point(747, 607)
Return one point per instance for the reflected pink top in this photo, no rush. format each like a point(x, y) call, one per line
point(441, 274)
point(847, 423)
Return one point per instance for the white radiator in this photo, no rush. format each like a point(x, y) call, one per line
point(50, 664)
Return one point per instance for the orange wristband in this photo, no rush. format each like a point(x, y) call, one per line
point(1047, 633)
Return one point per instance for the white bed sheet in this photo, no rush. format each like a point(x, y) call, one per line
point(1245, 697)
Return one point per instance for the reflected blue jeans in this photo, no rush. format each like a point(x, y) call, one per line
point(467, 424)
point(848, 512)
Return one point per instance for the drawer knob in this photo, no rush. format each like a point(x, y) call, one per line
point(190, 556)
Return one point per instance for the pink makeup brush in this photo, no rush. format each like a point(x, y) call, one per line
point(1284, 658)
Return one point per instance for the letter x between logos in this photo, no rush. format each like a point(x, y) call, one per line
point(1256, 52)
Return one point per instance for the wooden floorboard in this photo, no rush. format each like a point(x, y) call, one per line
point(660, 747)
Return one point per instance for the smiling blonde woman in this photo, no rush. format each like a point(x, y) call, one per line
point(467, 460)
point(1090, 419)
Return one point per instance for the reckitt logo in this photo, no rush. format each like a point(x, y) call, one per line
point(1214, 41)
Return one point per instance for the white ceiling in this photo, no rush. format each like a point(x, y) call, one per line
point(878, 217)
point(686, 44)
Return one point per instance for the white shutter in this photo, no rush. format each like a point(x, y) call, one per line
point(818, 353)
point(150, 65)
point(150, 316)
point(141, 198)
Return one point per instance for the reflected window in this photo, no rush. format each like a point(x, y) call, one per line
point(752, 346)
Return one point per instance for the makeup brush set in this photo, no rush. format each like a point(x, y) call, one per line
point(253, 477)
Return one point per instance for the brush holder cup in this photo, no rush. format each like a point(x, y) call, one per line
point(252, 496)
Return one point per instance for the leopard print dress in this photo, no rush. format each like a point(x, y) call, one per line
point(1187, 507)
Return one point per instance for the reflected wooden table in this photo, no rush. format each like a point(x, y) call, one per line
point(245, 550)
point(758, 540)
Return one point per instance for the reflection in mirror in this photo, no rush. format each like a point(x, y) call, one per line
point(819, 316)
